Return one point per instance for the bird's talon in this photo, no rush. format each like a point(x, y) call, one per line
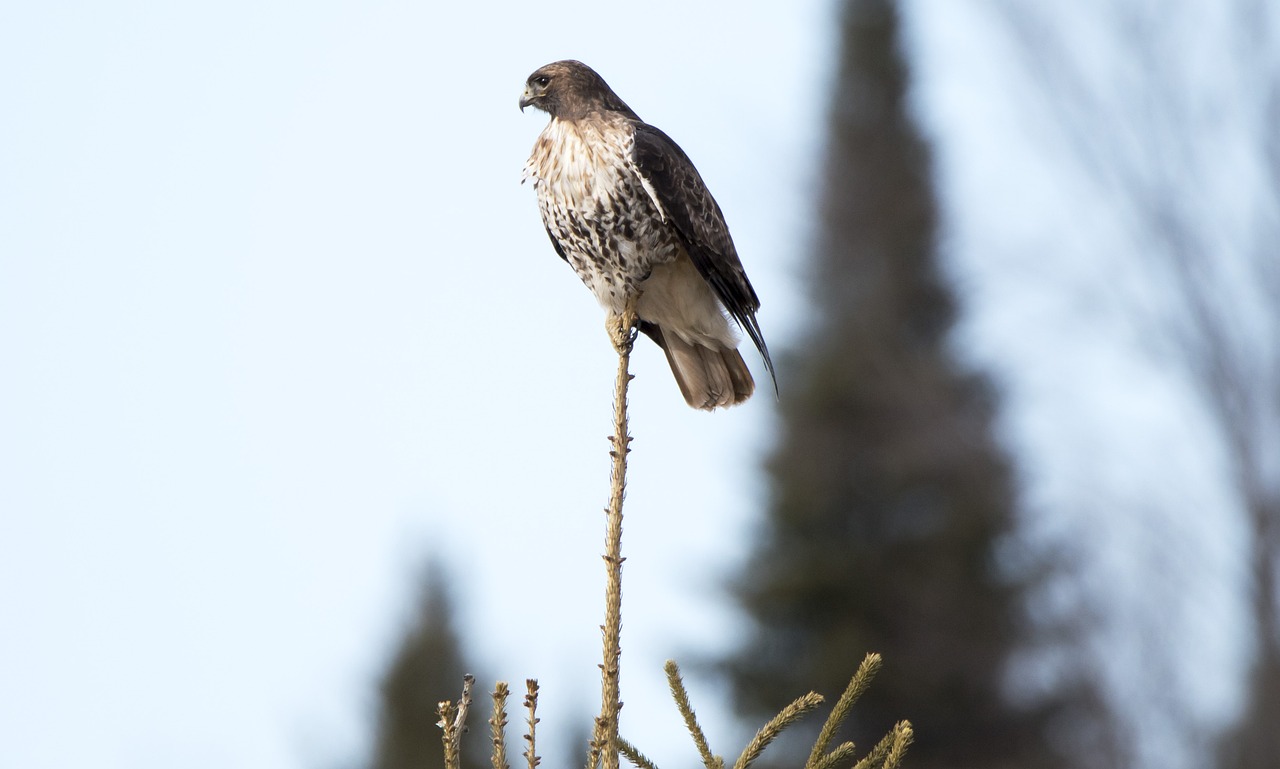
point(623, 330)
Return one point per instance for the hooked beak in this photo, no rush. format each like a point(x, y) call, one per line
point(527, 97)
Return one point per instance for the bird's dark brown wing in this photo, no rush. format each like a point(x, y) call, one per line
point(555, 243)
point(688, 206)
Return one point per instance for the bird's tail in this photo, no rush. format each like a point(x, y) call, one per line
point(709, 378)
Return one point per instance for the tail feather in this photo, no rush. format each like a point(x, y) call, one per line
point(708, 378)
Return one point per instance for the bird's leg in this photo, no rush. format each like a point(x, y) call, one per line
point(622, 327)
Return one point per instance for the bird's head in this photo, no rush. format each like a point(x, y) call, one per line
point(568, 90)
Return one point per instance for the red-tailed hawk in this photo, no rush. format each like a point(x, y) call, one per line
point(625, 207)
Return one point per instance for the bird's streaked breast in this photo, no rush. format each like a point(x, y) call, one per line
point(594, 203)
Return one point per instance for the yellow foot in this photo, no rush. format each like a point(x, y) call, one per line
point(622, 328)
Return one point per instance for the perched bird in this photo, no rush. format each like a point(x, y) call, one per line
point(627, 210)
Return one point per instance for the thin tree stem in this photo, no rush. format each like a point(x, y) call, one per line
point(610, 701)
point(498, 726)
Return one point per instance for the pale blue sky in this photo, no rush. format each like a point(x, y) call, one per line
point(278, 319)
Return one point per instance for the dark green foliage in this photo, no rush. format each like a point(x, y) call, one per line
point(890, 495)
point(427, 668)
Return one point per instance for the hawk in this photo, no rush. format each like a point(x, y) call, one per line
point(627, 210)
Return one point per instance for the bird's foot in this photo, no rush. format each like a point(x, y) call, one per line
point(622, 327)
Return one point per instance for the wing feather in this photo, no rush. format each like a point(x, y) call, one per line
point(555, 243)
point(669, 177)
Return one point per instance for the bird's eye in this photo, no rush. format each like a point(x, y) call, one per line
point(542, 80)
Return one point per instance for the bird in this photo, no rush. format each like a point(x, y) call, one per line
point(625, 207)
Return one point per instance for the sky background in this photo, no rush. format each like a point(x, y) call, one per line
point(278, 321)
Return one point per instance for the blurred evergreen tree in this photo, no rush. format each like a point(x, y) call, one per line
point(890, 494)
point(426, 669)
